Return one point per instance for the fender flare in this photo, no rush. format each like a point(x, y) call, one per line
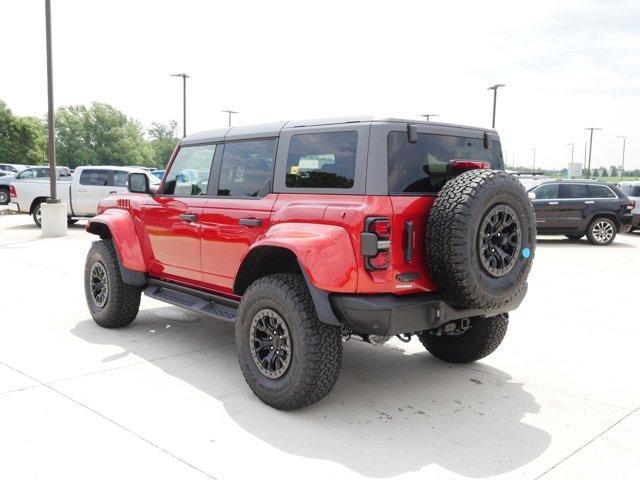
point(119, 226)
point(324, 255)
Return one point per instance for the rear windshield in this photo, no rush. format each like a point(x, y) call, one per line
point(421, 167)
point(630, 190)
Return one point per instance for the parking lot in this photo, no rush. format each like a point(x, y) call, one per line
point(164, 398)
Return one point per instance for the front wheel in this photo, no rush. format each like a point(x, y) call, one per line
point(466, 343)
point(112, 302)
point(601, 231)
point(289, 358)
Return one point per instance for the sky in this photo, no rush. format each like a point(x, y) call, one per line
point(567, 65)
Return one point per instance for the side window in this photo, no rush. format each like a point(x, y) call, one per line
point(247, 168)
point(568, 190)
point(189, 173)
point(120, 178)
point(322, 160)
point(600, 191)
point(546, 192)
point(94, 177)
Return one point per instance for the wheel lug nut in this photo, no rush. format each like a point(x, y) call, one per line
point(270, 338)
point(271, 348)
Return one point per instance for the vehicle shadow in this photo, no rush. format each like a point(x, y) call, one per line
point(390, 412)
point(32, 226)
point(561, 242)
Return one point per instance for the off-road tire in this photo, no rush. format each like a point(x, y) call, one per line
point(5, 198)
point(316, 347)
point(590, 234)
point(123, 301)
point(574, 236)
point(483, 336)
point(452, 236)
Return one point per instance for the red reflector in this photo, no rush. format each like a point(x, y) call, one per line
point(469, 164)
point(382, 228)
point(12, 191)
point(380, 261)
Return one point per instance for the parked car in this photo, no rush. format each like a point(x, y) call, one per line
point(15, 168)
point(294, 232)
point(632, 190)
point(531, 179)
point(576, 208)
point(158, 173)
point(32, 173)
point(81, 192)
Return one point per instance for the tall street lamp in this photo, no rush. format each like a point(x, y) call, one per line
point(624, 146)
point(50, 114)
point(184, 101)
point(495, 95)
point(429, 115)
point(591, 129)
point(229, 112)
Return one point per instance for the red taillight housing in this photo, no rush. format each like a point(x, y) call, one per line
point(469, 164)
point(12, 191)
point(375, 243)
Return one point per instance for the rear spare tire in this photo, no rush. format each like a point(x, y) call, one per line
point(480, 239)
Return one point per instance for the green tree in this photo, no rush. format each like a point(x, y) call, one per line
point(163, 142)
point(604, 172)
point(99, 135)
point(613, 171)
point(596, 172)
point(22, 139)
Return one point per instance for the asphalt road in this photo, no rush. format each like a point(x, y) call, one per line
point(164, 397)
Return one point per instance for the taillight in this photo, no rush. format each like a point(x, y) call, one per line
point(12, 191)
point(375, 243)
point(469, 164)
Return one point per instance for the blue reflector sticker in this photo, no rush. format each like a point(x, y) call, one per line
point(526, 253)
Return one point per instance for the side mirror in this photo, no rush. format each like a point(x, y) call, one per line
point(138, 183)
point(532, 195)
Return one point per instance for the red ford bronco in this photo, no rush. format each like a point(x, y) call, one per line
point(303, 233)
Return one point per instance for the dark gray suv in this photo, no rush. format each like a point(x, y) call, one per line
point(577, 208)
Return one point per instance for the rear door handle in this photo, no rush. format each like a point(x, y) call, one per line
point(251, 222)
point(589, 201)
point(553, 203)
point(188, 217)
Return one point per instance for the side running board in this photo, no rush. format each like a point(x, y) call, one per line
point(202, 304)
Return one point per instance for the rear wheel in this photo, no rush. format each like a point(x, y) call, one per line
point(601, 231)
point(457, 343)
point(112, 302)
point(4, 196)
point(287, 356)
point(37, 214)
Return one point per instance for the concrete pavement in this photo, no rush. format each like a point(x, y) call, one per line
point(164, 398)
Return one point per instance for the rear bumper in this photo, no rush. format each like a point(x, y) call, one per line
point(388, 315)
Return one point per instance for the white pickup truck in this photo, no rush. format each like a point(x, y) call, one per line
point(82, 193)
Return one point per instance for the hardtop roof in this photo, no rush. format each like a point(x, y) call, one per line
point(273, 129)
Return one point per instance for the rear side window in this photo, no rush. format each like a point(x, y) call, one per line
point(421, 167)
point(573, 191)
point(189, 172)
point(95, 178)
point(601, 191)
point(322, 160)
point(247, 168)
point(546, 192)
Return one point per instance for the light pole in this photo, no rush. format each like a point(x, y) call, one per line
point(591, 129)
point(50, 114)
point(571, 163)
point(624, 146)
point(495, 95)
point(429, 115)
point(184, 101)
point(229, 112)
